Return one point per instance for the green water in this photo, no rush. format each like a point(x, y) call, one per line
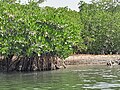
point(75, 78)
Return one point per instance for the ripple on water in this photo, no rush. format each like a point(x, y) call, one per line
point(109, 76)
point(78, 84)
point(86, 80)
point(79, 70)
point(35, 88)
point(73, 86)
point(66, 84)
point(118, 80)
point(48, 87)
point(101, 85)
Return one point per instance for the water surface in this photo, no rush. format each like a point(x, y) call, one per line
point(75, 78)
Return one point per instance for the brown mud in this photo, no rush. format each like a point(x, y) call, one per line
point(86, 59)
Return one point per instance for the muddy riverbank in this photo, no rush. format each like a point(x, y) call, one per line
point(84, 59)
point(49, 63)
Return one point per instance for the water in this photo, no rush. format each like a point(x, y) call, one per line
point(75, 78)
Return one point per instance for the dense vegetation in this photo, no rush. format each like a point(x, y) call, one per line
point(32, 32)
point(101, 27)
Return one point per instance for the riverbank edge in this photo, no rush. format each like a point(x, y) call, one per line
point(82, 60)
point(88, 59)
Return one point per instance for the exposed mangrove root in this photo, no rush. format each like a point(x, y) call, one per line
point(44, 62)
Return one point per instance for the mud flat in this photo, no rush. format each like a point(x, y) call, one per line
point(84, 59)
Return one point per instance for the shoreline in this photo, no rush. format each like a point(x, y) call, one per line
point(22, 64)
point(88, 59)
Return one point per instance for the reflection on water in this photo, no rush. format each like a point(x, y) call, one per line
point(75, 78)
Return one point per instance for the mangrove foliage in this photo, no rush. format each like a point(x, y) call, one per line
point(34, 37)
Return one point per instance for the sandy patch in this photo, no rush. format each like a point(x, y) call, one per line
point(90, 59)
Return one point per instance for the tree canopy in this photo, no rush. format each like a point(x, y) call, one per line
point(28, 29)
point(101, 26)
